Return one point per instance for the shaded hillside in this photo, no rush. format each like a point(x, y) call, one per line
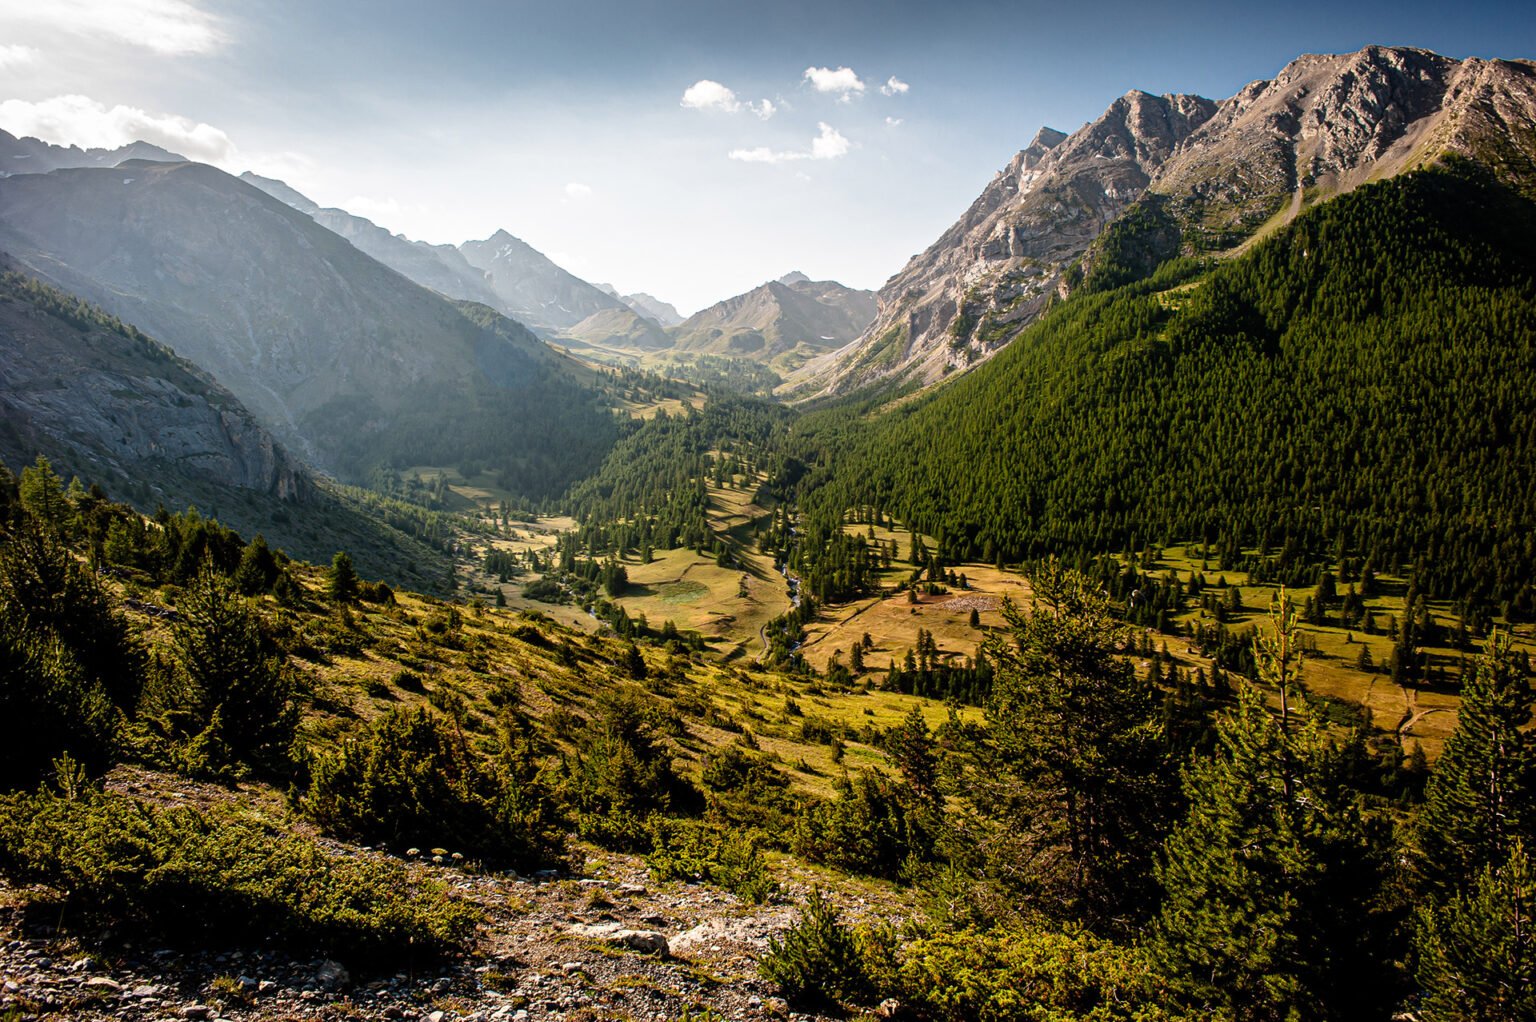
point(344, 359)
point(103, 402)
point(1361, 383)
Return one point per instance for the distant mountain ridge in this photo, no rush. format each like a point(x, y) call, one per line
point(532, 289)
point(346, 360)
point(29, 155)
point(781, 323)
point(663, 313)
point(502, 271)
point(1203, 176)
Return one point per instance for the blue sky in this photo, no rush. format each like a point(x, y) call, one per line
point(566, 123)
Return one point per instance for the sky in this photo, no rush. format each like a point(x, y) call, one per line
point(690, 150)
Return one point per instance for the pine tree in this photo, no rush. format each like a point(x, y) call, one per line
point(1482, 793)
point(1070, 773)
point(911, 749)
point(1477, 952)
point(258, 568)
point(1269, 880)
point(237, 693)
point(341, 582)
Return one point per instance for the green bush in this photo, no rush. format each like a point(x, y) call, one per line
point(622, 773)
point(51, 709)
point(873, 827)
point(1021, 975)
point(413, 779)
point(818, 962)
point(198, 878)
point(729, 859)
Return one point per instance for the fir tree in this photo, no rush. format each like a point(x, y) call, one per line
point(238, 697)
point(341, 582)
point(1070, 774)
point(1482, 793)
point(1269, 881)
point(1477, 952)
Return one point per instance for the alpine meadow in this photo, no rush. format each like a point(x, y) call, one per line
point(1125, 613)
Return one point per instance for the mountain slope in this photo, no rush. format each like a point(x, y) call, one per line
point(106, 403)
point(343, 358)
point(780, 324)
point(1229, 409)
point(1204, 177)
point(99, 396)
point(1002, 261)
point(439, 267)
point(532, 289)
point(33, 156)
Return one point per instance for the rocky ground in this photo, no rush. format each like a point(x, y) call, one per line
point(607, 943)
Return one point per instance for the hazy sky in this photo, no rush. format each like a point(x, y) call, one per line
point(688, 149)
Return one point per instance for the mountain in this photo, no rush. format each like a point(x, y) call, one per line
point(663, 313)
point(618, 328)
point(530, 288)
point(99, 396)
point(781, 324)
point(439, 267)
point(104, 402)
point(29, 155)
point(1361, 380)
point(344, 359)
point(1213, 176)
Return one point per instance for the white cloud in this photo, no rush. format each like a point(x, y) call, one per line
point(170, 27)
point(706, 94)
point(80, 120)
point(577, 190)
point(842, 82)
point(894, 86)
point(828, 145)
point(16, 55)
point(893, 122)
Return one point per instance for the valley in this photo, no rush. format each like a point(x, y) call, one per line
point(1124, 613)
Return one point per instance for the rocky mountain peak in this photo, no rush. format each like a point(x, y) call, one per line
point(1001, 262)
point(794, 277)
point(1219, 173)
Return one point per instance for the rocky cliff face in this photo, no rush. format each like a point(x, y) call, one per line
point(1329, 123)
point(105, 401)
point(999, 264)
point(1214, 176)
point(782, 323)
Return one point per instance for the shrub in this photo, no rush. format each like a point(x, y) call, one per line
point(729, 859)
point(818, 961)
point(872, 827)
point(50, 708)
point(1021, 975)
point(199, 878)
point(413, 779)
